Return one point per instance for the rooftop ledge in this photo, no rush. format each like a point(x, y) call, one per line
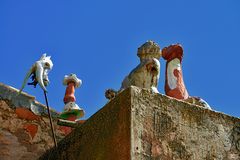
point(138, 124)
point(23, 100)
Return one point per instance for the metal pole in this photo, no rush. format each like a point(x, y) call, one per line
point(50, 118)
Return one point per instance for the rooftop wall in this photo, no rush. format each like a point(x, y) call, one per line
point(25, 132)
point(138, 124)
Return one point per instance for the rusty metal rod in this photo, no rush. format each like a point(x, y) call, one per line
point(50, 119)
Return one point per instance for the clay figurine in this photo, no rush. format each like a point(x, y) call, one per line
point(174, 84)
point(39, 72)
point(146, 74)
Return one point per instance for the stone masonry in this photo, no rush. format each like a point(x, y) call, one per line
point(25, 132)
point(138, 124)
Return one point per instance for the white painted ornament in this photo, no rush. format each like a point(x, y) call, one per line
point(39, 72)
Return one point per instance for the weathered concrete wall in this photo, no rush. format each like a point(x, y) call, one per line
point(25, 132)
point(138, 125)
point(165, 128)
point(104, 136)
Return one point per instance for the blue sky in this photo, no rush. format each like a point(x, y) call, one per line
point(98, 41)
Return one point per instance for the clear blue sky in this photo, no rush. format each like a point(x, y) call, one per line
point(98, 41)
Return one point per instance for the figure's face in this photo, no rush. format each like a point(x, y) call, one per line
point(47, 63)
point(47, 66)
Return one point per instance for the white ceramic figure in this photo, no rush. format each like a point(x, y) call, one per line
point(146, 74)
point(39, 72)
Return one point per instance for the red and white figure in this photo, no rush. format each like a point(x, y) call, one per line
point(174, 84)
point(71, 110)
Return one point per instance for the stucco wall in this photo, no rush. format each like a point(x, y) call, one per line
point(138, 124)
point(25, 132)
point(165, 128)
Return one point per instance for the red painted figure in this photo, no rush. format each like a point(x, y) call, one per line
point(174, 84)
point(72, 111)
point(69, 94)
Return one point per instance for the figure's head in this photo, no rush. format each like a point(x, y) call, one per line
point(46, 61)
point(172, 51)
point(46, 64)
point(150, 49)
